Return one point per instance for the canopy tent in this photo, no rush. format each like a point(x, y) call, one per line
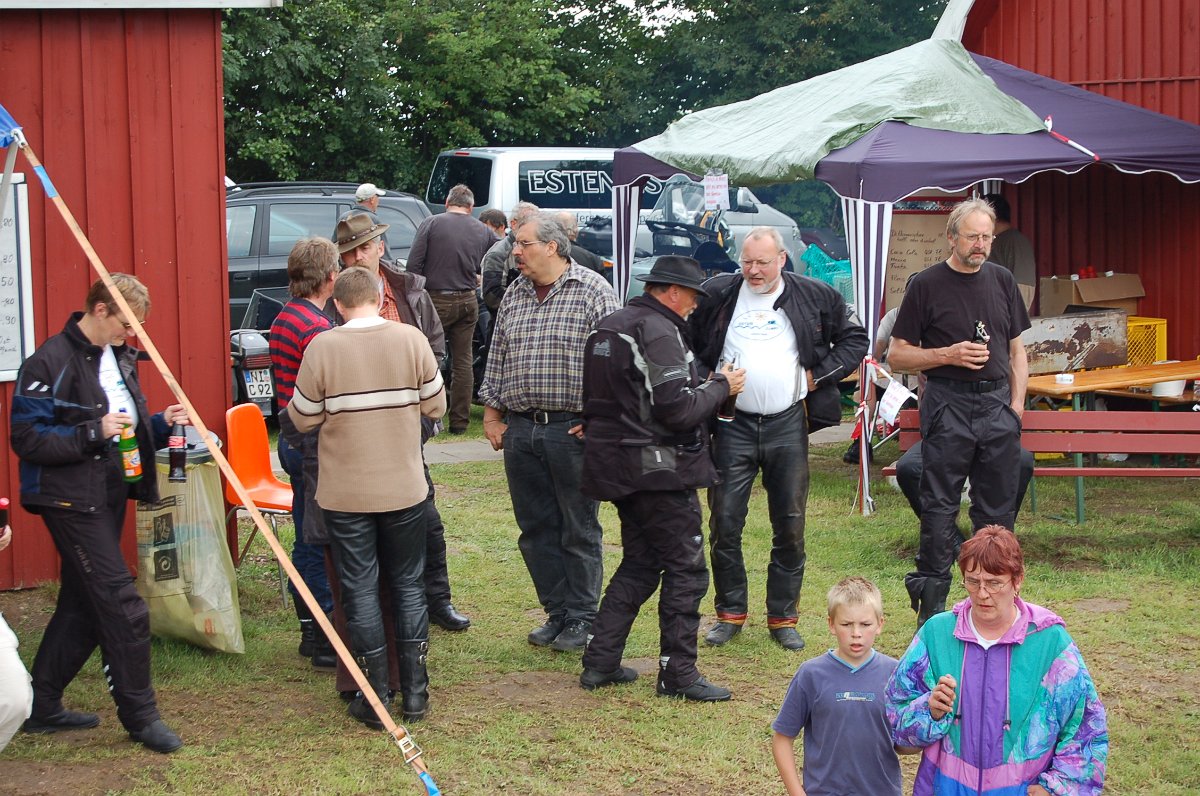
point(931, 115)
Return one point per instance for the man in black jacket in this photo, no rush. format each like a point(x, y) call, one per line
point(793, 338)
point(646, 412)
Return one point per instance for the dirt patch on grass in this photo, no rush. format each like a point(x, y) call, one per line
point(45, 778)
point(29, 610)
point(1099, 605)
point(531, 692)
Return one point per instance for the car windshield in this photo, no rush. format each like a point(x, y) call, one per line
point(681, 201)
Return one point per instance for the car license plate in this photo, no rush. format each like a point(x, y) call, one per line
point(258, 384)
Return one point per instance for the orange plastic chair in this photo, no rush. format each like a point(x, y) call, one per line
point(249, 454)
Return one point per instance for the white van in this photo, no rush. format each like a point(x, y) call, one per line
point(578, 179)
point(553, 178)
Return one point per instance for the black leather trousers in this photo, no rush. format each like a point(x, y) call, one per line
point(366, 548)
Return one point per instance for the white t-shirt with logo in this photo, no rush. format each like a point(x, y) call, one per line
point(764, 343)
point(119, 397)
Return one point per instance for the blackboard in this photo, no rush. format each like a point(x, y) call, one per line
point(16, 294)
point(918, 241)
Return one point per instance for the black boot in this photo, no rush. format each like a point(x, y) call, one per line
point(307, 628)
point(933, 600)
point(414, 679)
point(323, 656)
point(374, 667)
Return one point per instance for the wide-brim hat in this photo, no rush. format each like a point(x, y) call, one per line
point(357, 229)
point(673, 269)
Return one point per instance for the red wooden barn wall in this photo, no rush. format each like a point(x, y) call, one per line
point(124, 110)
point(1144, 52)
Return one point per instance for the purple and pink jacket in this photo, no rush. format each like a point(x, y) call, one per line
point(1026, 710)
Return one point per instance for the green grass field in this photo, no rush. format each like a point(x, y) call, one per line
point(510, 718)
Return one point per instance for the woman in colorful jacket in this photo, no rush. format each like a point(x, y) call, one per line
point(995, 691)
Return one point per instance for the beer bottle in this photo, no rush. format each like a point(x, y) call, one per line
point(177, 454)
point(131, 457)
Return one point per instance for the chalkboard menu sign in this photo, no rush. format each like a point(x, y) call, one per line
point(16, 292)
point(918, 241)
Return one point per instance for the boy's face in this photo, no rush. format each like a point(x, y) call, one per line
point(855, 628)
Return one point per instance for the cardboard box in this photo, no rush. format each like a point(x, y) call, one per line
point(1119, 291)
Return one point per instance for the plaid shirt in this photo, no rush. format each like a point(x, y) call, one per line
point(536, 357)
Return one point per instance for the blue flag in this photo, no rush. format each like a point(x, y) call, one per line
point(8, 125)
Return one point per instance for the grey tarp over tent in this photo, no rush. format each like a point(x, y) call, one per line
point(838, 129)
point(930, 115)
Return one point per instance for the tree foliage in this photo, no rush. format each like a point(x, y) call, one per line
point(374, 89)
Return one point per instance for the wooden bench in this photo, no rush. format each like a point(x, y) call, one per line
point(1079, 433)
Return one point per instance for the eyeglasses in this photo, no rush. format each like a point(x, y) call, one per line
point(760, 263)
point(524, 243)
point(977, 238)
point(120, 320)
point(991, 586)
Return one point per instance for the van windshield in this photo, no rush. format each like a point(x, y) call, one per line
point(451, 170)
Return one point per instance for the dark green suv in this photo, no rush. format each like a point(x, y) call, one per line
point(264, 220)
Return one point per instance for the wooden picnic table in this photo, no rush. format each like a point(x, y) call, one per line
point(1092, 381)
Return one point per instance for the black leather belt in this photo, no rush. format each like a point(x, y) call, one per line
point(957, 385)
point(759, 418)
point(543, 418)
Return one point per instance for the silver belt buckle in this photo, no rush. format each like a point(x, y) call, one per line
point(541, 417)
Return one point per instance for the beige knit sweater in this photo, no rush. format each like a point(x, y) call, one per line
point(366, 388)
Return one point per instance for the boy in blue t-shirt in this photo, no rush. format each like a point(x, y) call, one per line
point(837, 700)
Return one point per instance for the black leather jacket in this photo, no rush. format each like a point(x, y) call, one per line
point(645, 407)
point(56, 410)
point(830, 345)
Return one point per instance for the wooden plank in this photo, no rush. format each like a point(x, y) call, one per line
point(1188, 396)
point(1103, 442)
point(1117, 472)
point(1185, 422)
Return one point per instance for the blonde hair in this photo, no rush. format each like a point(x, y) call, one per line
point(130, 288)
point(854, 592)
point(356, 287)
point(965, 208)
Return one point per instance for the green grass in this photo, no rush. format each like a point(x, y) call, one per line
point(510, 718)
point(474, 431)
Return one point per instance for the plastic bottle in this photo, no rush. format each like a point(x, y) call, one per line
point(177, 454)
point(131, 457)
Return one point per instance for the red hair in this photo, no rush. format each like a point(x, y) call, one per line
point(993, 549)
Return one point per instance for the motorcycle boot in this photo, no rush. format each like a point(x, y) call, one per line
point(374, 667)
point(414, 679)
point(933, 600)
point(323, 656)
point(308, 627)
